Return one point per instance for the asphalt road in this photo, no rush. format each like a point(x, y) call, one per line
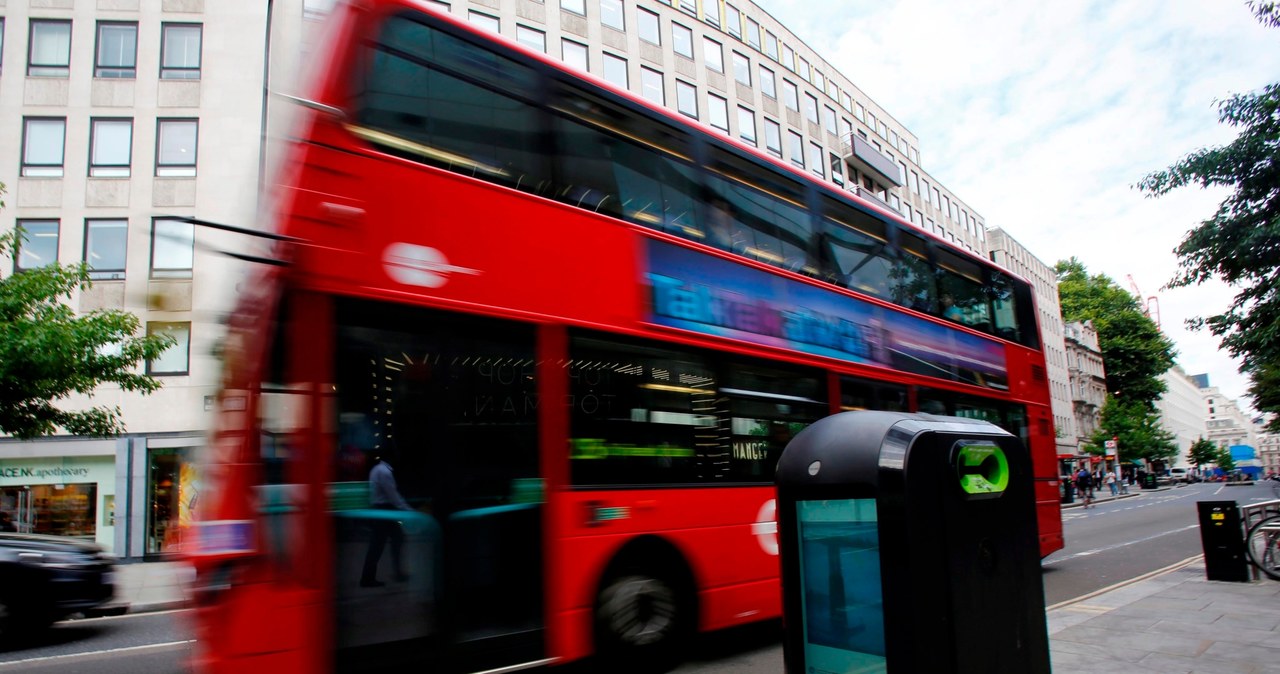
point(1106, 545)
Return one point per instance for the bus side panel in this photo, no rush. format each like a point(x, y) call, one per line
point(459, 241)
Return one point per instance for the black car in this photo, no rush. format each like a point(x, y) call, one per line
point(48, 578)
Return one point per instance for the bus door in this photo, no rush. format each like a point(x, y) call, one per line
point(437, 500)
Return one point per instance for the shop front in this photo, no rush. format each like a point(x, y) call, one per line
point(72, 496)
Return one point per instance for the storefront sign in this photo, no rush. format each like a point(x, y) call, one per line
point(18, 472)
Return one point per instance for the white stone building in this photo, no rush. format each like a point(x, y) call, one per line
point(1088, 377)
point(1182, 413)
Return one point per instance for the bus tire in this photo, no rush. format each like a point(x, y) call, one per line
point(643, 619)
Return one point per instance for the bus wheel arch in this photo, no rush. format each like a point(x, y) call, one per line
point(646, 606)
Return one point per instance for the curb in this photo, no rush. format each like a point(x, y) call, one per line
point(158, 606)
point(1125, 583)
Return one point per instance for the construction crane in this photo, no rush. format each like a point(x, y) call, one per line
point(1150, 305)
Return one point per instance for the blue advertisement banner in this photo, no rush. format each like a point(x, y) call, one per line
point(698, 292)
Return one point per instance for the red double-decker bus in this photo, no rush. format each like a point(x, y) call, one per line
point(515, 393)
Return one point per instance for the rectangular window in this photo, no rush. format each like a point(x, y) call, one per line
point(575, 6)
point(180, 51)
point(687, 6)
point(860, 112)
point(773, 138)
point(846, 101)
point(753, 33)
point(790, 95)
point(797, 148)
point(768, 84)
point(713, 54)
point(819, 81)
point(172, 248)
point(837, 168)
point(788, 58)
point(687, 99)
point(846, 129)
point(651, 86)
point(117, 50)
point(490, 23)
point(804, 69)
point(811, 108)
point(574, 55)
point(718, 112)
point(615, 71)
point(176, 359)
point(771, 45)
point(712, 14)
point(531, 38)
point(747, 125)
point(649, 27)
point(104, 248)
point(741, 69)
point(50, 52)
point(915, 182)
point(110, 148)
point(611, 14)
point(39, 246)
point(682, 40)
point(829, 119)
point(176, 141)
point(43, 141)
point(815, 159)
point(733, 21)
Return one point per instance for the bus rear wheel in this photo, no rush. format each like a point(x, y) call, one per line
point(642, 621)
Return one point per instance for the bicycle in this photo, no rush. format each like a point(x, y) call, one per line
point(1262, 546)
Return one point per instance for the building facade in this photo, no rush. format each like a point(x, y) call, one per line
point(1088, 377)
point(1268, 446)
point(1182, 413)
point(1226, 423)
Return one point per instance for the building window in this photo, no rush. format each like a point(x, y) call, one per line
point(771, 45)
point(753, 33)
point(615, 71)
point(105, 242)
point(531, 38)
point(846, 129)
point(485, 21)
point(733, 21)
point(837, 168)
point(180, 51)
point(788, 58)
point(713, 54)
point(42, 145)
point(804, 69)
point(747, 125)
point(742, 69)
point(50, 51)
point(117, 50)
point(172, 248)
point(611, 14)
point(712, 14)
point(811, 108)
point(768, 85)
point(176, 147)
point(687, 99)
point(649, 30)
point(797, 148)
point(39, 245)
point(110, 148)
point(773, 138)
point(718, 112)
point(682, 40)
point(815, 159)
point(176, 359)
point(790, 95)
point(574, 55)
point(575, 6)
point(651, 86)
point(829, 119)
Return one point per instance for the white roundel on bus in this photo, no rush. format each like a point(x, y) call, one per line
point(766, 527)
point(415, 265)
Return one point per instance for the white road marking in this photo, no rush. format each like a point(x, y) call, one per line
point(1121, 545)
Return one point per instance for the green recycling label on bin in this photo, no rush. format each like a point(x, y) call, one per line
point(981, 467)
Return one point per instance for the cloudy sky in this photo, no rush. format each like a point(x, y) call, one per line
point(1042, 115)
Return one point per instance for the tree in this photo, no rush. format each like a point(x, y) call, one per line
point(1136, 426)
point(1134, 351)
point(1225, 461)
point(48, 353)
point(1240, 243)
point(1203, 453)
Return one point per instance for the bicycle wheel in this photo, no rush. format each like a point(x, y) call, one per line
point(1263, 546)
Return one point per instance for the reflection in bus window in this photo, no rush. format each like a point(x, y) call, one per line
point(961, 294)
point(913, 283)
point(857, 252)
point(864, 394)
point(1004, 305)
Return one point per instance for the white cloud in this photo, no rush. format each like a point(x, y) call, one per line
point(1041, 116)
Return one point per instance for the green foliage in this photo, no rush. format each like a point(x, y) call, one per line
point(1134, 351)
point(1240, 243)
point(1203, 453)
point(1225, 461)
point(48, 353)
point(1136, 425)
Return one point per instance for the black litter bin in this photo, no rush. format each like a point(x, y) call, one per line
point(1068, 491)
point(1149, 481)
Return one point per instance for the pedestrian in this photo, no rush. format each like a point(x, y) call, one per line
point(1084, 483)
point(6, 522)
point(383, 495)
point(1111, 483)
